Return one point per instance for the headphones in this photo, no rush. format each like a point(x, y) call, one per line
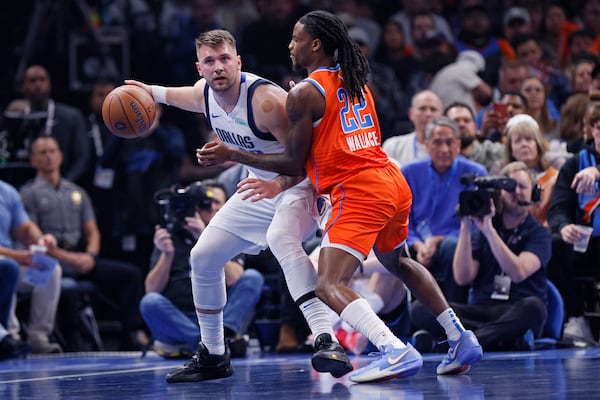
point(536, 191)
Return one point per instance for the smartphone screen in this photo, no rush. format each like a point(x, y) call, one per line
point(500, 109)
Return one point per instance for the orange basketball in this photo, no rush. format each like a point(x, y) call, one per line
point(128, 111)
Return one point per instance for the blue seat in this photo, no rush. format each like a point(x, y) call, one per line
point(554, 321)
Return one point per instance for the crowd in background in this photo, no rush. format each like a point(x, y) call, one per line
point(478, 63)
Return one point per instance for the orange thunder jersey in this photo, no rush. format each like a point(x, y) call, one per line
point(347, 138)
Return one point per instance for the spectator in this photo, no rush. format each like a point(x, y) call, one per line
point(64, 209)
point(580, 74)
point(425, 106)
point(573, 203)
point(494, 120)
point(17, 228)
point(410, 9)
point(504, 260)
point(524, 142)
point(534, 90)
point(435, 181)
point(142, 167)
point(528, 50)
point(485, 152)
point(270, 58)
point(550, 35)
point(384, 86)
point(475, 33)
point(167, 306)
point(62, 121)
point(516, 21)
point(179, 53)
point(394, 52)
point(459, 81)
point(9, 279)
point(572, 120)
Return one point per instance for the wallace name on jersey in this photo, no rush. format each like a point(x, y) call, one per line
point(362, 140)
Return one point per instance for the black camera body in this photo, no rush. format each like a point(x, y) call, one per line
point(176, 204)
point(476, 202)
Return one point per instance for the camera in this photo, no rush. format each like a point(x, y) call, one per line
point(476, 202)
point(177, 203)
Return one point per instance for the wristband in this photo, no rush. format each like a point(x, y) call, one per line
point(160, 94)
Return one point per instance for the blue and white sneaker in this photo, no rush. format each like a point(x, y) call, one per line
point(462, 353)
point(392, 363)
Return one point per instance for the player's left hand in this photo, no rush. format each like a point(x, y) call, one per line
point(258, 189)
point(213, 153)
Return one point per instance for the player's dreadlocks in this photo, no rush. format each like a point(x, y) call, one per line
point(334, 36)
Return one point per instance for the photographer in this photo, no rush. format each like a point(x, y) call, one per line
point(504, 260)
point(435, 184)
point(168, 307)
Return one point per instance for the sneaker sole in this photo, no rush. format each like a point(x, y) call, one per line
point(462, 365)
point(200, 376)
point(336, 367)
point(409, 369)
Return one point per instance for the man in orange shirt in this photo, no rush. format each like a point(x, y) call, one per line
point(334, 135)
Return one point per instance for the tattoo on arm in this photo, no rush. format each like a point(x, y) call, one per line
point(287, 181)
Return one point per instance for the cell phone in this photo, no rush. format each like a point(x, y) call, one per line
point(500, 109)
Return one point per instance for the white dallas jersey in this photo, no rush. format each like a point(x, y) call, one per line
point(238, 128)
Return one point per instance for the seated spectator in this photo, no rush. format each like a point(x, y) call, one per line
point(572, 119)
point(516, 21)
point(529, 50)
point(386, 90)
point(475, 32)
point(494, 118)
point(17, 228)
point(459, 81)
point(573, 203)
point(524, 142)
point(64, 122)
point(485, 152)
point(64, 209)
point(435, 182)
point(537, 106)
point(580, 74)
point(9, 279)
point(141, 167)
point(394, 52)
point(504, 261)
point(168, 307)
point(424, 107)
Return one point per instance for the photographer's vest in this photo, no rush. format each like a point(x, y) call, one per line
point(238, 128)
point(588, 203)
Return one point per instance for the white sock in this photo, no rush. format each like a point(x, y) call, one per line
point(451, 324)
point(362, 318)
point(318, 317)
point(211, 332)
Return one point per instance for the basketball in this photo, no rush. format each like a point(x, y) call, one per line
point(128, 111)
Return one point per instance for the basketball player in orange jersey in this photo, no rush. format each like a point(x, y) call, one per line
point(248, 114)
point(334, 135)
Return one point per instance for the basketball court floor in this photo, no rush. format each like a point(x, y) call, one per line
point(546, 374)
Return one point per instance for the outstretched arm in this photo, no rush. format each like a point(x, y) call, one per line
point(190, 98)
point(302, 104)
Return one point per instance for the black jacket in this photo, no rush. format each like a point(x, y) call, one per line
point(564, 207)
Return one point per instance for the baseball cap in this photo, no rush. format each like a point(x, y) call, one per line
point(515, 14)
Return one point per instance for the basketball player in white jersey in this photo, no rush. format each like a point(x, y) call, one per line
point(248, 113)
